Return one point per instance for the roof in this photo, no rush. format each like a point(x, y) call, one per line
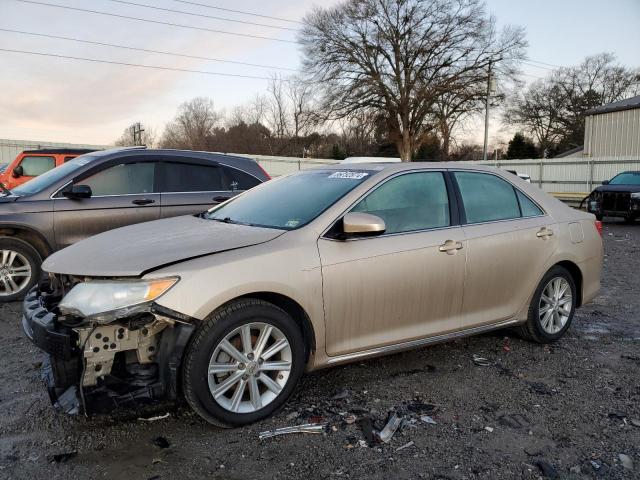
point(571, 152)
point(402, 166)
point(626, 104)
point(79, 151)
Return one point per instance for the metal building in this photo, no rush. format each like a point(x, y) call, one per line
point(9, 149)
point(613, 130)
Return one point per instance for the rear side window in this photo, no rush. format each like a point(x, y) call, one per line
point(487, 197)
point(529, 209)
point(409, 202)
point(36, 165)
point(123, 179)
point(186, 177)
point(239, 180)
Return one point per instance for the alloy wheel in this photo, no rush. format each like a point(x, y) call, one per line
point(555, 305)
point(15, 272)
point(249, 367)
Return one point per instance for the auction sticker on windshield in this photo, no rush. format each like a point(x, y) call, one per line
point(349, 175)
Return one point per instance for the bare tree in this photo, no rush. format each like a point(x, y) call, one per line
point(398, 57)
point(552, 110)
point(277, 112)
point(193, 126)
point(136, 134)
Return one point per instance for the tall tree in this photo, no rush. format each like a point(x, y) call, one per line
point(398, 57)
point(521, 147)
point(552, 109)
point(193, 126)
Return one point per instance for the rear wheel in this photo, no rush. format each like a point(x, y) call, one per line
point(243, 363)
point(19, 268)
point(552, 307)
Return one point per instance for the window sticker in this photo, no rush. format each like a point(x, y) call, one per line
point(292, 223)
point(349, 175)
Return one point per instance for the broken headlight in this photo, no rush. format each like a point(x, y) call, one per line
point(636, 195)
point(103, 301)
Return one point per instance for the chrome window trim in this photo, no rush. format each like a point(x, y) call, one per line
point(375, 187)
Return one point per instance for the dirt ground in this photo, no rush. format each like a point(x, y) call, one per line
point(570, 409)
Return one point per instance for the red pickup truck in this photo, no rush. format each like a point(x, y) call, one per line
point(31, 163)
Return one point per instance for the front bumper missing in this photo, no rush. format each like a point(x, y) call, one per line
point(100, 368)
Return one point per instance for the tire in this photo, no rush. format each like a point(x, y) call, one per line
point(535, 329)
point(206, 350)
point(20, 268)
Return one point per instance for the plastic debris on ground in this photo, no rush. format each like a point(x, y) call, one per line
point(428, 419)
point(626, 461)
point(481, 361)
point(154, 419)
point(306, 428)
point(386, 434)
point(406, 445)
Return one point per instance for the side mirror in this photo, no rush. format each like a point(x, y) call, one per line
point(18, 171)
point(77, 192)
point(357, 223)
point(606, 182)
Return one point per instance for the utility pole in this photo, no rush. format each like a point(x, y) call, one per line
point(486, 115)
point(136, 132)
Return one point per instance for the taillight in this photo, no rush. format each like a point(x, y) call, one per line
point(265, 172)
point(599, 226)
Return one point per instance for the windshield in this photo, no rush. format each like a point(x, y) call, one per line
point(51, 177)
point(626, 178)
point(290, 202)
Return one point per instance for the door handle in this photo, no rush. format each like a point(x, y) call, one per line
point(220, 199)
point(143, 201)
point(544, 233)
point(450, 247)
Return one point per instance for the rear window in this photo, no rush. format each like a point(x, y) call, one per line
point(35, 165)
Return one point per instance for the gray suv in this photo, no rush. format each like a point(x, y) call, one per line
point(103, 190)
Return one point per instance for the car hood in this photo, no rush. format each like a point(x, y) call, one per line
point(137, 249)
point(618, 188)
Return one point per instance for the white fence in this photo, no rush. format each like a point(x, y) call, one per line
point(558, 175)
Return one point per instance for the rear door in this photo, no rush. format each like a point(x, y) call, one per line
point(509, 239)
point(123, 193)
point(192, 186)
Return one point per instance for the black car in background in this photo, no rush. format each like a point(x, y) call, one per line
point(618, 197)
point(108, 189)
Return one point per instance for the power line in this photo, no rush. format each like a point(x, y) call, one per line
point(157, 22)
point(127, 64)
point(237, 11)
point(183, 12)
point(147, 50)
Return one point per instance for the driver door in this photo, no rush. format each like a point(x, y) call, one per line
point(401, 285)
point(122, 194)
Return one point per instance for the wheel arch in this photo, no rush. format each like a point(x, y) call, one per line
point(294, 309)
point(30, 236)
point(576, 274)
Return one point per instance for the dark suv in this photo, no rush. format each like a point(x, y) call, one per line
point(618, 197)
point(103, 190)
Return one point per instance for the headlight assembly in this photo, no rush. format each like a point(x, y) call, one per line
point(104, 301)
point(636, 195)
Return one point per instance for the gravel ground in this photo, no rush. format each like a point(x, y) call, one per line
point(571, 408)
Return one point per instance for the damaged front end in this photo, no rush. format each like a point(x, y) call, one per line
point(97, 361)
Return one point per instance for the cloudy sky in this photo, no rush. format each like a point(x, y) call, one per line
point(54, 99)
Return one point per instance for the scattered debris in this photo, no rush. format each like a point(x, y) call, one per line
point(595, 464)
point(406, 445)
point(635, 358)
point(154, 419)
point(576, 469)
point(548, 471)
point(617, 414)
point(366, 426)
point(161, 442)
point(307, 428)
point(62, 457)
point(489, 429)
point(389, 429)
point(420, 407)
point(428, 419)
point(481, 361)
point(626, 461)
point(341, 395)
point(350, 419)
point(541, 388)
point(635, 422)
point(506, 344)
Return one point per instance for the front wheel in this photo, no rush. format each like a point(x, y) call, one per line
point(19, 268)
point(552, 307)
point(243, 363)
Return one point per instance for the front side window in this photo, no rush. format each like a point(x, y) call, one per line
point(186, 177)
point(123, 179)
point(486, 197)
point(36, 165)
point(409, 202)
point(289, 202)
